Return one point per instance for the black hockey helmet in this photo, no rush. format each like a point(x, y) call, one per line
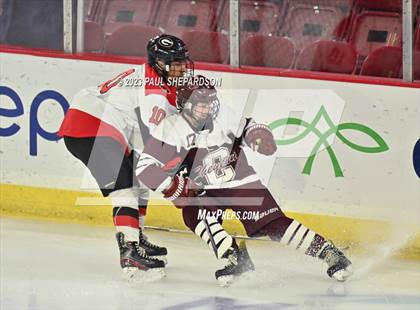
point(168, 48)
point(199, 89)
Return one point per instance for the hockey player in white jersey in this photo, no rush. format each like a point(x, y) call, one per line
point(205, 142)
point(104, 128)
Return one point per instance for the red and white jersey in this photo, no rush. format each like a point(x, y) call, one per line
point(213, 157)
point(115, 108)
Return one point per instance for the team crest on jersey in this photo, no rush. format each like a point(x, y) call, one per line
point(217, 166)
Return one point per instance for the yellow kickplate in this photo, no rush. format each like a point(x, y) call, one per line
point(91, 208)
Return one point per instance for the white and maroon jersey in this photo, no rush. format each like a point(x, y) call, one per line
point(125, 108)
point(213, 157)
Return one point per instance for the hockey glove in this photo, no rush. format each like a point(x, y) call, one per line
point(179, 189)
point(260, 139)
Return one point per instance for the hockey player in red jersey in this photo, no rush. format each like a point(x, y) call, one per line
point(207, 139)
point(105, 127)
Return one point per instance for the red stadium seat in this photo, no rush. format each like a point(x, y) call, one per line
point(417, 37)
point(327, 56)
point(417, 12)
point(179, 16)
point(416, 65)
point(94, 37)
point(385, 61)
point(207, 46)
point(262, 51)
point(382, 5)
point(372, 29)
point(94, 10)
point(130, 40)
point(305, 23)
point(90, 9)
point(124, 12)
point(344, 5)
point(256, 17)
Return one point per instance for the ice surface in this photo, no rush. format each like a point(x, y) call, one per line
point(47, 265)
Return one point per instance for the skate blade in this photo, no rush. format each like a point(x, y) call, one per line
point(225, 281)
point(343, 274)
point(162, 258)
point(132, 274)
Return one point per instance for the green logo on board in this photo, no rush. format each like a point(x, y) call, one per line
point(381, 145)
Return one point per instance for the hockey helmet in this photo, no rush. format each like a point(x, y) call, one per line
point(198, 99)
point(167, 49)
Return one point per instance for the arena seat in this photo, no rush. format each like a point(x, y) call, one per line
point(307, 23)
point(179, 16)
point(417, 11)
point(256, 17)
point(207, 46)
point(94, 37)
point(263, 51)
point(374, 29)
point(417, 37)
point(382, 5)
point(416, 65)
point(130, 40)
point(327, 56)
point(386, 61)
point(94, 10)
point(344, 5)
point(90, 7)
point(123, 12)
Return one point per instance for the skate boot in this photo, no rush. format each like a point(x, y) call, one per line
point(339, 266)
point(239, 263)
point(152, 250)
point(136, 264)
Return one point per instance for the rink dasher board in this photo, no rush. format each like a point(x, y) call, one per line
point(59, 205)
point(381, 185)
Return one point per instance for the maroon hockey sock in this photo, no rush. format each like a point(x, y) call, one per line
point(292, 233)
point(276, 228)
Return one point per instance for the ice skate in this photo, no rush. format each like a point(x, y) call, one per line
point(152, 250)
point(239, 263)
point(339, 266)
point(136, 264)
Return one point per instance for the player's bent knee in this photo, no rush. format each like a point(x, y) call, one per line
point(190, 216)
point(142, 193)
point(276, 228)
point(127, 197)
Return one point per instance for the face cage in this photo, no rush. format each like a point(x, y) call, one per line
point(189, 65)
point(215, 108)
point(213, 111)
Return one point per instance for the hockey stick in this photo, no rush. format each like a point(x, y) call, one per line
point(176, 171)
point(213, 243)
point(144, 130)
point(206, 225)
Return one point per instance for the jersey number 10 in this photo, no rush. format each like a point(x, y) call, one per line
point(158, 115)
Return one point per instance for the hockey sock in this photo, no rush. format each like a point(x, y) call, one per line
point(218, 240)
point(126, 213)
point(142, 212)
point(294, 234)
